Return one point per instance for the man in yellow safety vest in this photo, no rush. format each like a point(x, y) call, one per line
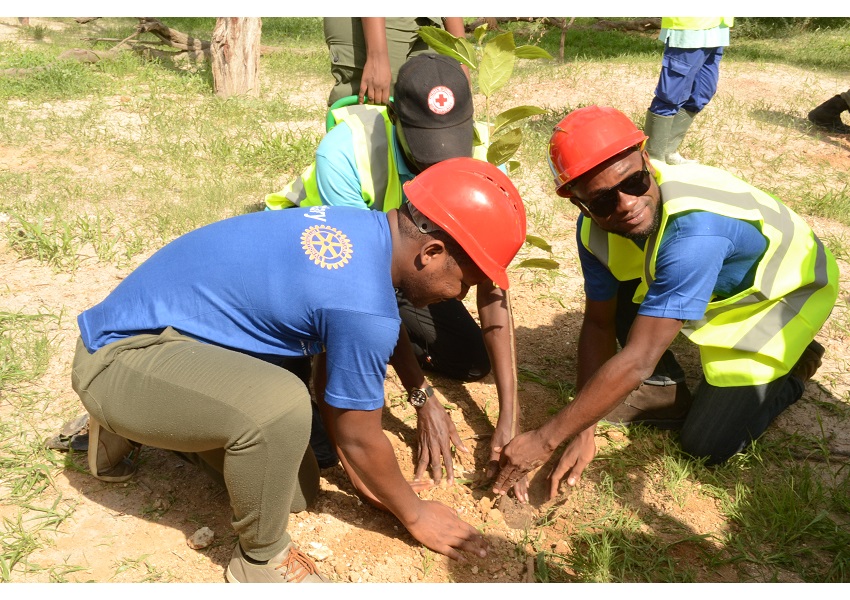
point(728, 265)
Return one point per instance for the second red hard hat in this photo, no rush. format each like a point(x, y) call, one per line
point(587, 137)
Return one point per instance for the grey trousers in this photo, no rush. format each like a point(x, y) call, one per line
point(241, 416)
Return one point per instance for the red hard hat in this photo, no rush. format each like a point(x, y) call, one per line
point(478, 206)
point(587, 137)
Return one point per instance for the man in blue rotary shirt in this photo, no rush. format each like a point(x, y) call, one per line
point(176, 357)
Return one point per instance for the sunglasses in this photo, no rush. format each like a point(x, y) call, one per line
point(605, 203)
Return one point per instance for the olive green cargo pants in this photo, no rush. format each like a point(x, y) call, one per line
point(347, 46)
point(243, 417)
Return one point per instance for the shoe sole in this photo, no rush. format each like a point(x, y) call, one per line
point(229, 576)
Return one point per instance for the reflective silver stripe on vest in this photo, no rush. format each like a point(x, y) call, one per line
point(375, 139)
point(788, 308)
point(778, 217)
point(297, 193)
point(374, 128)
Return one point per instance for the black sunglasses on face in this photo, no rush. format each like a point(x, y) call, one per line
point(605, 203)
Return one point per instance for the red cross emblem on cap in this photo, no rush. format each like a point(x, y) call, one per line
point(441, 100)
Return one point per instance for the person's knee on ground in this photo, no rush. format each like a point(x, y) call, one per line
point(712, 452)
point(725, 421)
point(663, 400)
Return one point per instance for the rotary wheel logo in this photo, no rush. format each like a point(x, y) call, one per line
point(326, 246)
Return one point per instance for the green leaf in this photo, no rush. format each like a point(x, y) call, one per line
point(438, 39)
point(497, 63)
point(538, 242)
point(531, 52)
point(443, 42)
point(515, 114)
point(479, 33)
point(539, 263)
point(467, 52)
point(512, 166)
point(505, 147)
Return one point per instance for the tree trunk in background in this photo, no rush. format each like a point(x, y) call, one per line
point(235, 51)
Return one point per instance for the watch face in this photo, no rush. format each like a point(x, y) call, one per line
point(417, 398)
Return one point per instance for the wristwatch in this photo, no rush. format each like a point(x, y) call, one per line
point(419, 396)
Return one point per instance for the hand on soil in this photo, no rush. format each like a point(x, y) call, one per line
point(436, 433)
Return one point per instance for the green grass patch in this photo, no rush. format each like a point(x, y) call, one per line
point(827, 49)
point(25, 346)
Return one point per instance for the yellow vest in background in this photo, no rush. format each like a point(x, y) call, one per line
point(377, 170)
point(696, 22)
point(373, 156)
point(757, 335)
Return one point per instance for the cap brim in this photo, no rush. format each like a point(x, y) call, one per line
point(430, 146)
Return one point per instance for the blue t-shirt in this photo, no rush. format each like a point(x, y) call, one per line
point(336, 170)
point(294, 282)
point(702, 256)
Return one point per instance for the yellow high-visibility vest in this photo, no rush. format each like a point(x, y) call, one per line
point(757, 335)
point(377, 169)
point(696, 22)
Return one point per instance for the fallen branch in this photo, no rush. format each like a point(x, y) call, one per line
point(188, 48)
point(171, 37)
point(642, 24)
point(21, 72)
point(178, 39)
point(86, 56)
point(263, 49)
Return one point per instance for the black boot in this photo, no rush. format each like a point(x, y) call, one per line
point(828, 115)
